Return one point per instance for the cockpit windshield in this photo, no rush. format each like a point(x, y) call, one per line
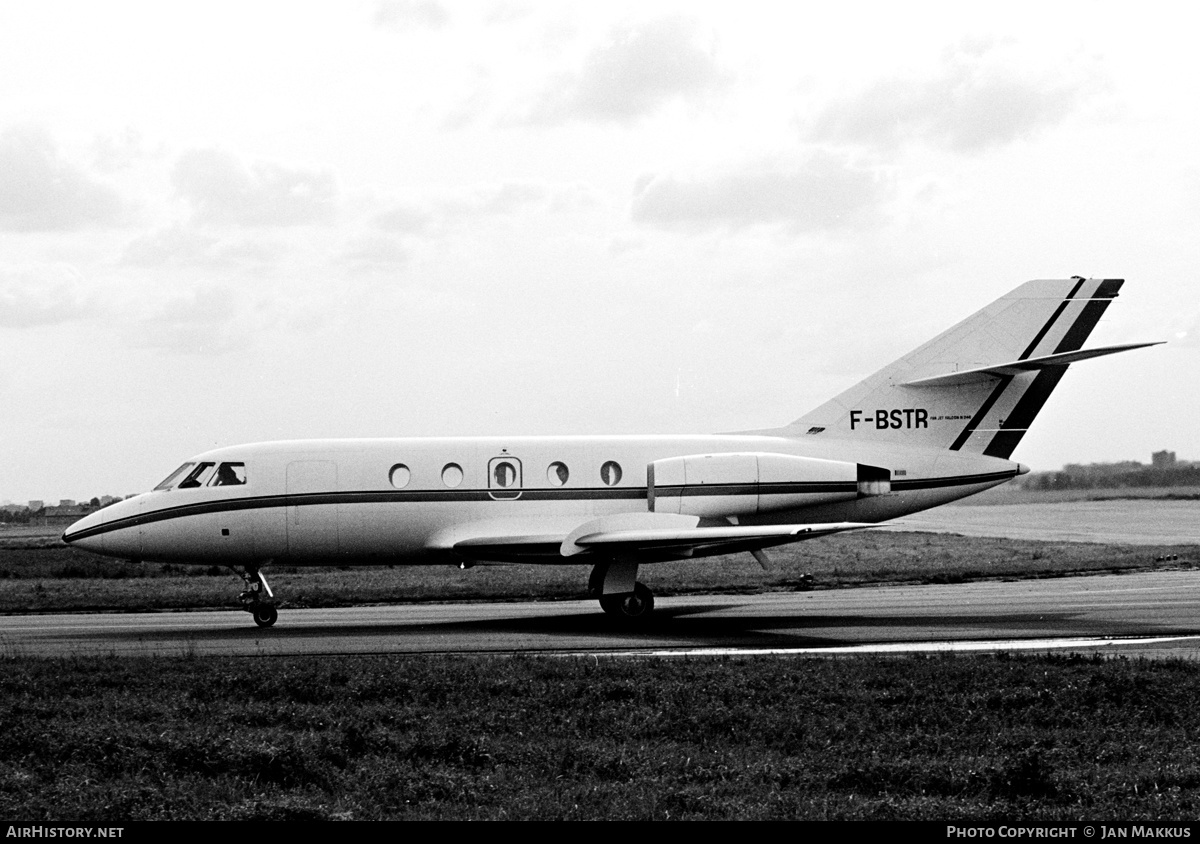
point(198, 474)
point(169, 481)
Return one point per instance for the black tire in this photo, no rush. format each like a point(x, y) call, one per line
point(635, 606)
point(265, 615)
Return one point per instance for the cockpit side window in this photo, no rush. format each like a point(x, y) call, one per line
point(197, 476)
point(171, 478)
point(230, 474)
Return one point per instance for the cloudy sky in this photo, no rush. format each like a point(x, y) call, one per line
point(229, 222)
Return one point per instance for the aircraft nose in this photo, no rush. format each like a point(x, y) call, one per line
point(86, 533)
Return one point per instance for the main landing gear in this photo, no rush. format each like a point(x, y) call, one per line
point(263, 611)
point(614, 584)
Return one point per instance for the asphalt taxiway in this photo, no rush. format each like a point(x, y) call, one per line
point(1145, 614)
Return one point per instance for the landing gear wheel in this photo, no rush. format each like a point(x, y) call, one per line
point(630, 606)
point(257, 597)
point(264, 615)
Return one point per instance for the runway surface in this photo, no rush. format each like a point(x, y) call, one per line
point(1144, 614)
point(1140, 521)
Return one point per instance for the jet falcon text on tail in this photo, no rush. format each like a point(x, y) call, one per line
point(936, 425)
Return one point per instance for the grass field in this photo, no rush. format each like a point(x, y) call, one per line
point(1012, 494)
point(949, 738)
point(985, 738)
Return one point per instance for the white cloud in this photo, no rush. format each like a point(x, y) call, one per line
point(111, 153)
point(405, 218)
point(638, 71)
point(504, 199)
point(980, 98)
point(41, 294)
point(180, 246)
point(821, 194)
point(403, 14)
point(373, 253)
point(222, 191)
point(39, 191)
point(201, 321)
point(175, 246)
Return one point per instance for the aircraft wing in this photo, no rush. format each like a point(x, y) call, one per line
point(649, 536)
point(699, 542)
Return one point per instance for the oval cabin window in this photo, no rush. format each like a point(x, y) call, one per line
point(610, 473)
point(557, 473)
point(452, 475)
point(399, 476)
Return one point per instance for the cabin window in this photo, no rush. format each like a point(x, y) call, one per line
point(230, 474)
point(610, 473)
point(452, 475)
point(174, 476)
point(557, 473)
point(198, 476)
point(399, 476)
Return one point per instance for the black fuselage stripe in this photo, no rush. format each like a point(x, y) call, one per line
point(267, 502)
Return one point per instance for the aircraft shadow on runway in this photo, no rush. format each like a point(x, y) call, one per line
point(698, 624)
point(691, 623)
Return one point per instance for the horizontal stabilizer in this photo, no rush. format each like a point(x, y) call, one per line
point(1016, 367)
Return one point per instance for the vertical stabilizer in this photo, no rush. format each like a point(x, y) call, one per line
point(985, 379)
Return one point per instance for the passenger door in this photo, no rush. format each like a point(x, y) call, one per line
point(312, 510)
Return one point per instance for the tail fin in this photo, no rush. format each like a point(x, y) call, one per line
point(977, 387)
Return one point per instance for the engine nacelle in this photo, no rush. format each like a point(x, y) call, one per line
point(746, 483)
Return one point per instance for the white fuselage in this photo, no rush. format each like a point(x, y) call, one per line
point(411, 500)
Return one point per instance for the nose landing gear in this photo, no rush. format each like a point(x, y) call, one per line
point(264, 615)
point(262, 611)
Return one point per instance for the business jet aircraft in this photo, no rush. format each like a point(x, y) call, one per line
point(938, 424)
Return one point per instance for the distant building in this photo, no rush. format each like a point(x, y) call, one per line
point(1163, 460)
point(36, 504)
point(63, 514)
point(1102, 470)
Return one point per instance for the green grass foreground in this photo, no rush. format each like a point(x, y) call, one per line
point(46, 576)
point(981, 738)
